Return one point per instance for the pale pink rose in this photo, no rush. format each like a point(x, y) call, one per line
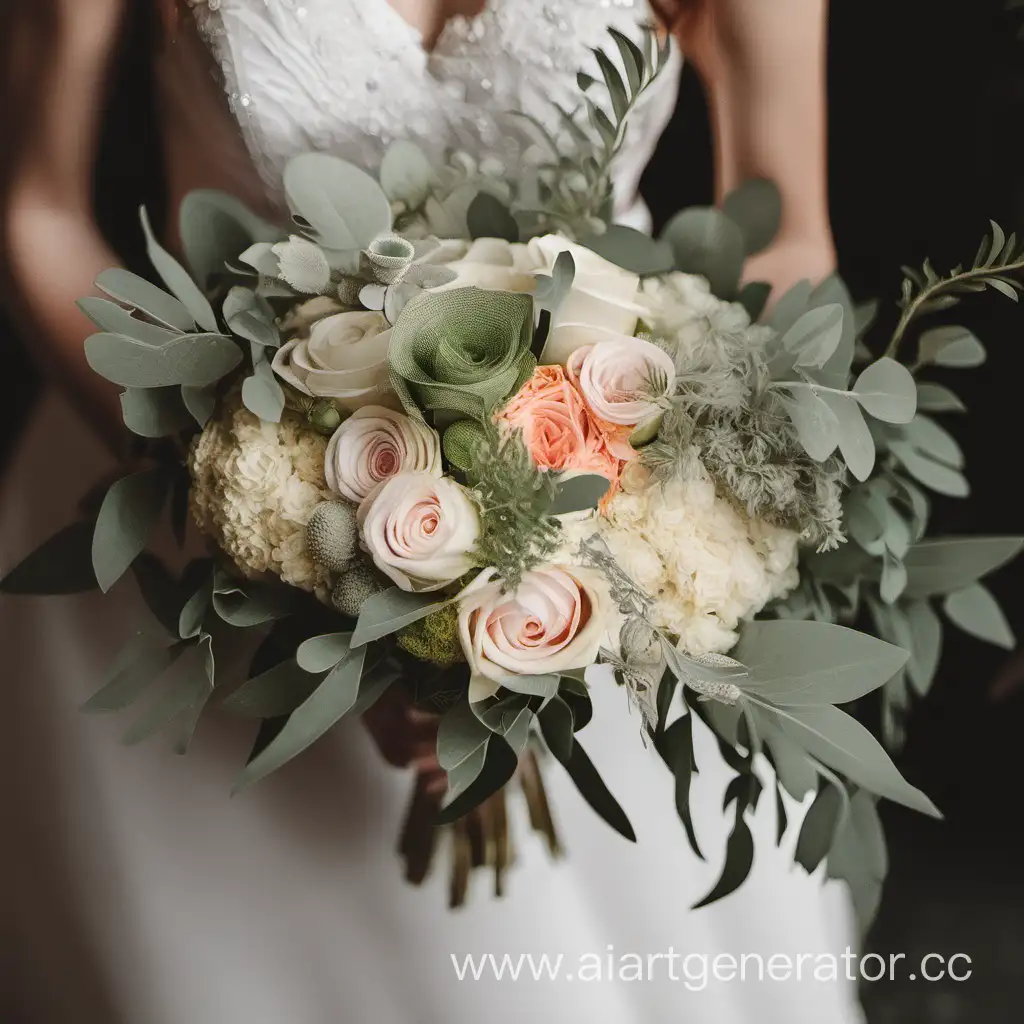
point(556, 620)
point(622, 381)
point(375, 444)
point(420, 530)
point(559, 431)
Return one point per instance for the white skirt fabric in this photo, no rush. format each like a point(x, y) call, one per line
point(137, 891)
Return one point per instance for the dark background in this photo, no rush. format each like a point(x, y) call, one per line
point(927, 140)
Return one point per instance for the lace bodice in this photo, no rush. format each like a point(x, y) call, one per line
point(350, 76)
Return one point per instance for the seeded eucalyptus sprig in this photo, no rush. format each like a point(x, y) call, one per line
point(925, 291)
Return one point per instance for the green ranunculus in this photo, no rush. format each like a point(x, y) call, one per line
point(464, 351)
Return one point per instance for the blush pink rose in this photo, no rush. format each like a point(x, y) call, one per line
point(559, 430)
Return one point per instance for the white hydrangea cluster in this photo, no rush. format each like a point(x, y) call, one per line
point(705, 564)
point(254, 486)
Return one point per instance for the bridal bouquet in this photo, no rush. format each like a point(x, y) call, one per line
point(462, 436)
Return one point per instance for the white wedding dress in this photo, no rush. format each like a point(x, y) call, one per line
point(137, 891)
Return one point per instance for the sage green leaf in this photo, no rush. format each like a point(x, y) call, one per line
point(753, 297)
point(511, 718)
point(841, 742)
point(186, 682)
point(579, 493)
point(344, 206)
point(616, 86)
point(154, 412)
point(632, 250)
point(489, 217)
point(794, 769)
point(936, 476)
point(159, 589)
point(127, 517)
point(855, 440)
point(406, 174)
point(926, 647)
point(887, 390)
point(556, 726)
point(201, 402)
point(800, 664)
point(190, 621)
point(791, 306)
point(817, 426)
point(894, 577)
point(115, 319)
point(463, 351)
point(858, 856)
point(814, 338)
point(977, 612)
point(676, 748)
point(739, 859)
point(328, 703)
point(388, 612)
point(756, 206)
point(477, 778)
point(705, 241)
point(177, 279)
point(821, 824)
point(536, 686)
point(255, 327)
point(632, 60)
point(61, 565)
point(952, 346)
point(246, 603)
point(593, 789)
point(934, 441)
point(937, 398)
point(262, 395)
point(941, 566)
point(836, 371)
point(460, 736)
point(214, 228)
point(138, 293)
point(322, 653)
point(138, 665)
point(195, 360)
point(274, 693)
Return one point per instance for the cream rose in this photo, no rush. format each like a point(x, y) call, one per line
point(344, 359)
point(375, 444)
point(603, 297)
point(495, 266)
point(556, 620)
point(420, 530)
point(623, 380)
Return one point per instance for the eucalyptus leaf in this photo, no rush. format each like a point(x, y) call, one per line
point(127, 517)
point(818, 832)
point(556, 724)
point(977, 612)
point(386, 613)
point(816, 424)
point(842, 743)
point(887, 390)
point(488, 217)
point(814, 338)
point(632, 250)
point(201, 402)
point(801, 664)
point(406, 174)
point(262, 395)
point(154, 412)
point(739, 859)
point(274, 693)
point(61, 565)
point(705, 241)
point(794, 769)
point(138, 293)
point(926, 648)
point(193, 360)
point(936, 476)
point(178, 279)
point(115, 319)
point(951, 346)
point(676, 747)
point(941, 566)
point(253, 602)
point(855, 440)
point(460, 736)
point(328, 703)
point(578, 493)
point(756, 206)
point(937, 398)
point(322, 653)
point(345, 207)
point(137, 667)
point(478, 778)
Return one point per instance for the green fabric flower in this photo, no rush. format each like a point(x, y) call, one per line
point(464, 350)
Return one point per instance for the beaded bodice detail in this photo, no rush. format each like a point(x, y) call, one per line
point(350, 76)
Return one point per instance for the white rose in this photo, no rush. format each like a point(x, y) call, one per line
point(495, 266)
point(302, 317)
point(419, 530)
point(556, 620)
point(375, 444)
point(344, 359)
point(622, 380)
point(603, 297)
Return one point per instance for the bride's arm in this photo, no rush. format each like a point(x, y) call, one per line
point(763, 63)
point(54, 248)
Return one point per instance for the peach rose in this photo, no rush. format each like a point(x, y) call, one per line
point(556, 620)
point(559, 430)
